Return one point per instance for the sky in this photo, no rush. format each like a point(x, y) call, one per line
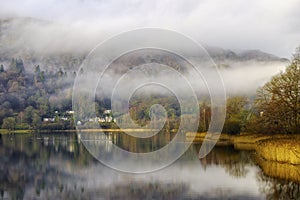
point(272, 26)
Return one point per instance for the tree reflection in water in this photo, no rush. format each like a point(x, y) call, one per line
point(278, 188)
point(57, 166)
point(30, 160)
point(278, 180)
point(234, 161)
point(278, 170)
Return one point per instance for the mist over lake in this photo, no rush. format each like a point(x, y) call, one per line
point(149, 99)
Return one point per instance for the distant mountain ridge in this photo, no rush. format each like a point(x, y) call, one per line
point(16, 41)
point(220, 54)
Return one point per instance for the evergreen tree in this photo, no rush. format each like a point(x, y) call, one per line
point(1, 68)
point(17, 65)
point(37, 69)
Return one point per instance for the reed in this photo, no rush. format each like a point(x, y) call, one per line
point(279, 170)
point(279, 148)
point(5, 131)
point(283, 150)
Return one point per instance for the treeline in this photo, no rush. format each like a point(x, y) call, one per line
point(275, 109)
point(27, 98)
point(279, 100)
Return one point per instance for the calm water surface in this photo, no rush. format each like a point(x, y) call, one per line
point(57, 166)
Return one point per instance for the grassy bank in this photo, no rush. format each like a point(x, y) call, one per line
point(278, 148)
point(283, 150)
point(105, 130)
point(279, 170)
point(236, 140)
point(5, 131)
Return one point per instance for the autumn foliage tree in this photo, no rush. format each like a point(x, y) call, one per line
point(278, 101)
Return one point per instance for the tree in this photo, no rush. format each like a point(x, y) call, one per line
point(43, 106)
point(278, 101)
point(60, 73)
point(9, 123)
point(17, 65)
point(42, 76)
point(36, 121)
point(235, 106)
point(28, 114)
point(37, 69)
point(205, 116)
point(1, 68)
point(236, 114)
point(20, 65)
point(13, 64)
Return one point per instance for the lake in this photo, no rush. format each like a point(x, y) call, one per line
point(58, 166)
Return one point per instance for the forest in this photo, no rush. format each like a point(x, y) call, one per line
point(29, 98)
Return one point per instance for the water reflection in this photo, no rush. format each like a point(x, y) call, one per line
point(30, 162)
point(128, 142)
point(129, 154)
point(279, 170)
point(278, 188)
point(57, 166)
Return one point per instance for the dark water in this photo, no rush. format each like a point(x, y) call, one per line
point(57, 166)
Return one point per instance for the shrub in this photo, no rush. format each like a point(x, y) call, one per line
point(232, 127)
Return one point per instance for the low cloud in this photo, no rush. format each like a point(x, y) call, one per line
point(271, 26)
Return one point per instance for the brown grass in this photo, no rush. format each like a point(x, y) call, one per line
point(279, 170)
point(5, 131)
point(280, 148)
point(283, 150)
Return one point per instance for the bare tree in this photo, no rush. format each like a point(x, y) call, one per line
point(278, 100)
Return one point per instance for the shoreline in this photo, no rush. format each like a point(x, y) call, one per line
point(280, 148)
point(5, 131)
point(276, 148)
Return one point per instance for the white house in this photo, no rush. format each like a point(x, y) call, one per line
point(70, 112)
point(48, 119)
point(107, 112)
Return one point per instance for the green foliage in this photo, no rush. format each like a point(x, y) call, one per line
point(140, 107)
point(236, 115)
point(205, 117)
point(22, 126)
point(37, 69)
point(36, 121)
point(9, 123)
point(27, 95)
point(42, 76)
point(60, 73)
point(17, 65)
point(235, 107)
point(52, 126)
point(28, 114)
point(1, 68)
point(107, 125)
